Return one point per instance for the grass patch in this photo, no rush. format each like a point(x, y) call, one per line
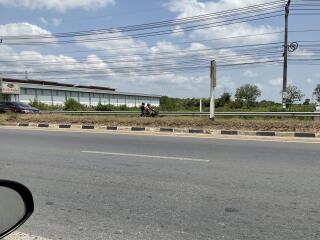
point(172, 122)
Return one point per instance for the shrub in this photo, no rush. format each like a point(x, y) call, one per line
point(109, 108)
point(105, 108)
point(223, 100)
point(42, 106)
point(124, 108)
point(236, 104)
point(73, 105)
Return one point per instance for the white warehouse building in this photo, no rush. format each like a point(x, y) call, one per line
point(55, 93)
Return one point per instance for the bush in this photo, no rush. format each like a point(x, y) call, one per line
point(224, 100)
point(73, 105)
point(42, 106)
point(236, 104)
point(275, 109)
point(302, 108)
point(109, 108)
point(124, 108)
point(104, 108)
point(307, 102)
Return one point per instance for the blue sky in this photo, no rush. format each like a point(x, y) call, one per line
point(34, 17)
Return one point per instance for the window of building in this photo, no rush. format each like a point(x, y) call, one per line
point(74, 94)
point(31, 91)
point(46, 92)
point(24, 91)
point(84, 95)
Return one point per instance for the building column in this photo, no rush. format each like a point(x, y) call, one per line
point(52, 97)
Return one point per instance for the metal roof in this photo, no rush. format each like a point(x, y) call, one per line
point(48, 83)
point(73, 87)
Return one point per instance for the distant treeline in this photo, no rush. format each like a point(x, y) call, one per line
point(245, 99)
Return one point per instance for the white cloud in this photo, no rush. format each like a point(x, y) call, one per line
point(43, 65)
point(164, 46)
point(276, 81)
point(178, 32)
point(121, 44)
point(189, 8)
point(58, 5)
point(10, 30)
point(24, 28)
point(110, 71)
point(33, 61)
point(250, 74)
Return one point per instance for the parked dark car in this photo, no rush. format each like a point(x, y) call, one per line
point(17, 107)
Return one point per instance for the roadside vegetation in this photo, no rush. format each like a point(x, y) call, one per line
point(243, 100)
point(73, 105)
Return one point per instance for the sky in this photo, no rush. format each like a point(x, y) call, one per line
point(124, 62)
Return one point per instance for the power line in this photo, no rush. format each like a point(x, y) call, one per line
point(151, 34)
point(143, 47)
point(187, 51)
point(221, 14)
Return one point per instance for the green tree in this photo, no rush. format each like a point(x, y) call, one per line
point(224, 99)
point(307, 101)
point(294, 94)
point(192, 104)
point(167, 104)
point(316, 92)
point(248, 93)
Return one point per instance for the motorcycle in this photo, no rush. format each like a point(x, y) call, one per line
point(150, 113)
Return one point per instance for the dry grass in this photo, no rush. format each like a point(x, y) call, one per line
point(178, 122)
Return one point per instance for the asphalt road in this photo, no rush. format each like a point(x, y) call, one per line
point(108, 186)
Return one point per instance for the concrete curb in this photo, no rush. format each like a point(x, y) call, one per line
point(64, 126)
point(169, 130)
point(90, 127)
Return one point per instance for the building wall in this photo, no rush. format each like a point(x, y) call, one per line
point(58, 97)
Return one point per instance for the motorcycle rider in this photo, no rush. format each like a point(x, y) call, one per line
point(149, 109)
point(143, 109)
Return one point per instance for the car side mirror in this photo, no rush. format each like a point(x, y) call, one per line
point(16, 206)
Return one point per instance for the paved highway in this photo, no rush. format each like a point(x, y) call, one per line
point(110, 186)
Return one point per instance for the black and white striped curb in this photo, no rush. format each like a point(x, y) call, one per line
point(171, 130)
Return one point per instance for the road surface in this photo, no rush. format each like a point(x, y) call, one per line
point(110, 186)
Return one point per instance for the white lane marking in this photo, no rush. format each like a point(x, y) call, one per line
point(23, 236)
point(147, 156)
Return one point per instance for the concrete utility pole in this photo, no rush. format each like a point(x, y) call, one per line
point(200, 105)
point(213, 76)
point(285, 56)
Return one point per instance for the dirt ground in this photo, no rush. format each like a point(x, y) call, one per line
point(176, 122)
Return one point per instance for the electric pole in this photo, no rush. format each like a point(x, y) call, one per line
point(213, 76)
point(285, 56)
